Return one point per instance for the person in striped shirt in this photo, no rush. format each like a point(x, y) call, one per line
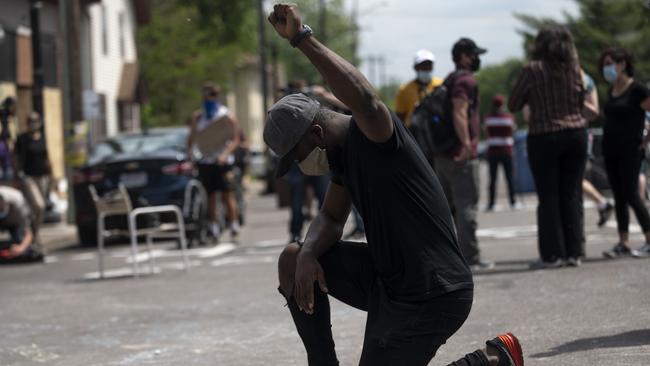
point(499, 127)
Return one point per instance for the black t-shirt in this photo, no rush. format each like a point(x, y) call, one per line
point(408, 223)
point(624, 117)
point(33, 155)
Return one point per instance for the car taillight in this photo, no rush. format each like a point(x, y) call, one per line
point(92, 176)
point(182, 168)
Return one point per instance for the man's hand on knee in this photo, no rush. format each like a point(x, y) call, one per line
point(308, 270)
point(287, 269)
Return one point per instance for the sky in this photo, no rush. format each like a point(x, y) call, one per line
point(396, 29)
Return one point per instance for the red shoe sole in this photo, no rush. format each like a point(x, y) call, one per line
point(514, 348)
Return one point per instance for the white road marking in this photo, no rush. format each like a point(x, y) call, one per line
point(242, 260)
point(51, 259)
point(36, 354)
point(84, 256)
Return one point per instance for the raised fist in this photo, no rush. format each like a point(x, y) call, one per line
point(285, 18)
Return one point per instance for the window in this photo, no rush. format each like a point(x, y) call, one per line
point(122, 35)
point(104, 21)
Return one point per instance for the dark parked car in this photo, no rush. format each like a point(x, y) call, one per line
point(155, 169)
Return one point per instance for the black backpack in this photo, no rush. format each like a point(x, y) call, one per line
point(432, 123)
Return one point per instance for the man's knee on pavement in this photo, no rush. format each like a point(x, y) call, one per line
point(287, 268)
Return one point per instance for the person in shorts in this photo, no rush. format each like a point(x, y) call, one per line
point(215, 122)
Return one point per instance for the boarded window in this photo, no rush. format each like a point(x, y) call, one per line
point(24, 71)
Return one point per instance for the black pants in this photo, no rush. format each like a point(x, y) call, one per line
point(397, 333)
point(506, 161)
point(623, 164)
point(557, 161)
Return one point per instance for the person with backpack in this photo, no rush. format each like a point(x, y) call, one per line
point(552, 86)
point(410, 277)
point(457, 161)
point(410, 94)
point(499, 127)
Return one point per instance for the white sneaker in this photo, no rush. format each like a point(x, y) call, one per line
point(516, 206)
point(643, 251)
point(215, 230)
point(234, 230)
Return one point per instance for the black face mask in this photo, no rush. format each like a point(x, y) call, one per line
point(476, 64)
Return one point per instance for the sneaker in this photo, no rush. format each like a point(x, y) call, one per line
point(643, 251)
point(620, 250)
point(481, 265)
point(516, 206)
point(234, 230)
point(605, 213)
point(509, 348)
point(541, 264)
point(215, 230)
point(573, 262)
point(489, 208)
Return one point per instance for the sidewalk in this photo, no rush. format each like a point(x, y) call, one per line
point(58, 236)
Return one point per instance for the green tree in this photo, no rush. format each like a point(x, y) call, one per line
point(190, 41)
point(496, 79)
point(186, 43)
point(341, 35)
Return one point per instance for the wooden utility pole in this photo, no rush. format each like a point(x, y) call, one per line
point(37, 62)
point(70, 20)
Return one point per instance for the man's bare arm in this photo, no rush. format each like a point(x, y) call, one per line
point(346, 82)
point(461, 125)
point(323, 233)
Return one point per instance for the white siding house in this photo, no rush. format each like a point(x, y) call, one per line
point(113, 60)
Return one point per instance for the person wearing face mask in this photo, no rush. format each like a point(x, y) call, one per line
point(552, 86)
point(33, 165)
point(300, 178)
point(410, 277)
point(411, 93)
point(624, 145)
point(214, 131)
point(458, 167)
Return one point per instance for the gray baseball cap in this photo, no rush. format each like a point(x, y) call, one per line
point(286, 123)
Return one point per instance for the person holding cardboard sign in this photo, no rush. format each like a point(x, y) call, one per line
point(212, 131)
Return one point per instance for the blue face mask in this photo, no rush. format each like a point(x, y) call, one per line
point(210, 108)
point(610, 74)
point(424, 76)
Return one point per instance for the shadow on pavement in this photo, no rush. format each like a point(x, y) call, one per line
point(633, 338)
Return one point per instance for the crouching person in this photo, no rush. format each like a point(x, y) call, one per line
point(15, 219)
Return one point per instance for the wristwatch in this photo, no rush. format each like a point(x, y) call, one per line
point(304, 33)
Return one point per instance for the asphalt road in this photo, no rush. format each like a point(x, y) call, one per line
point(226, 311)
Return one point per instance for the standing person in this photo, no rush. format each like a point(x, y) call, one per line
point(458, 168)
point(551, 85)
point(624, 145)
point(410, 94)
point(7, 111)
point(499, 128)
point(33, 164)
point(411, 277)
point(214, 130)
point(591, 111)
